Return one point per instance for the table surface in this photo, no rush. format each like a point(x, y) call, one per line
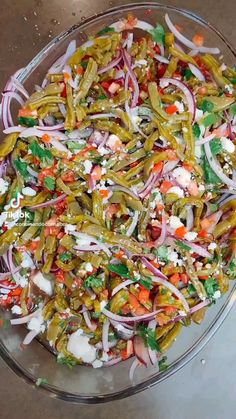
point(205, 388)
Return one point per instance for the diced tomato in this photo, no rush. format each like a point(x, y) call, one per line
point(104, 193)
point(105, 85)
point(181, 231)
point(143, 295)
point(171, 155)
point(155, 232)
point(188, 167)
point(184, 278)
point(33, 245)
point(158, 167)
point(165, 186)
point(51, 228)
point(64, 93)
point(198, 40)
point(44, 173)
point(169, 310)
point(46, 138)
point(68, 176)
point(155, 264)
point(96, 173)
point(204, 277)
point(60, 276)
point(203, 234)
point(15, 293)
point(119, 255)
point(161, 69)
point(193, 188)
point(60, 207)
point(80, 70)
point(171, 109)
point(26, 113)
point(174, 279)
point(208, 222)
point(162, 319)
point(123, 354)
point(133, 301)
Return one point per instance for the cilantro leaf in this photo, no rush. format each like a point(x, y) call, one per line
point(232, 268)
point(50, 183)
point(213, 207)
point(210, 119)
point(211, 286)
point(210, 177)
point(196, 130)
point(28, 122)
point(206, 106)
point(64, 257)
point(187, 73)
point(93, 282)
point(162, 364)
point(41, 381)
point(191, 289)
point(158, 34)
point(21, 167)
point(44, 155)
point(233, 109)
point(106, 30)
point(149, 337)
point(66, 360)
point(233, 81)
point(216, 146)
point(120, 269)
point(102, 97)
point(146, 282)
point(182, 245)
point(162, 253)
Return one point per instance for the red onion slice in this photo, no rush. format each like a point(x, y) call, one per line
point(14, 95)
point(91, 326)
point(111, 65)
point(105, 331)
point(216, 167)
point(165, 81)
point(92, 239)
point(124, 319)
point(163, 234)
point(51, 128)
point(152, 268)
point(39, 132)
point(161, 59)
point(185, 41)
point(121, 286)
point(141, 350)
point(125, 190)
point(10, 130)
point(173, 289)
point(127, 62)
point(200, 250)
point(112, 362)
point(49, 203)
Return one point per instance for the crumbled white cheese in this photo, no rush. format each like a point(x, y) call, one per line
point(27, 262)
point(79, 346)
point(227, 145)
point(97, 363)
point(104, 357)
point(28, 191)
point(16, 310)
point(182, 176)
point(3, 186)
point(179, 106)
point(88, 267)
point(43, 283)
point(216, 295)
point(22, 281)
point(177, 191)
point(113, 142)
point(201, 188)
point(69, 227)
point(191, 235)
point(102, 151)
point(87, 166)
point(37, 324)
point(212, 246)
point(175, 222)
point(198, 114)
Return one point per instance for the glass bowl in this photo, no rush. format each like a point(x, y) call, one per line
point(84, 384)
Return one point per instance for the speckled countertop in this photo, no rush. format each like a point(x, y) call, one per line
point(205, 388)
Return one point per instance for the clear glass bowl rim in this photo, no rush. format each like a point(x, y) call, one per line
point(188, 355)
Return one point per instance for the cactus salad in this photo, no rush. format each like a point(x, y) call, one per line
point(118, 194)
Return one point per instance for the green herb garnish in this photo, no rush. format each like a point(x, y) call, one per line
point(187, 73)
point(182, 245)
point(206, 106)
point(41, 381)
point(158, 34)
point(196, 130)
point(106, 30)
point(28, 122)
point(216, 146)
point(149, 337)
point(21, 167)
point(162, 253)
point(120, 269)
point(65, 257)
point(146, 283)
point(93, 282)
point(44, 155)
point(210, 119)
point(50, 183)
point(65, 360)
point(162, 364)
point(211, 286)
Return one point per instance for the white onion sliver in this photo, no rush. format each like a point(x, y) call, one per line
point(91, 326)
point(10, 130)
point(133, 224)
point(130, 319)
point(205, 139)
point(153, 269)
point(161, 59)
point(121, 286)
point(92, 239)
point(30, 336)
point(133, 367)
point(105, 331)
point(181, 38)
point(25, 319)
point(197, 73)
point(49, 203)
